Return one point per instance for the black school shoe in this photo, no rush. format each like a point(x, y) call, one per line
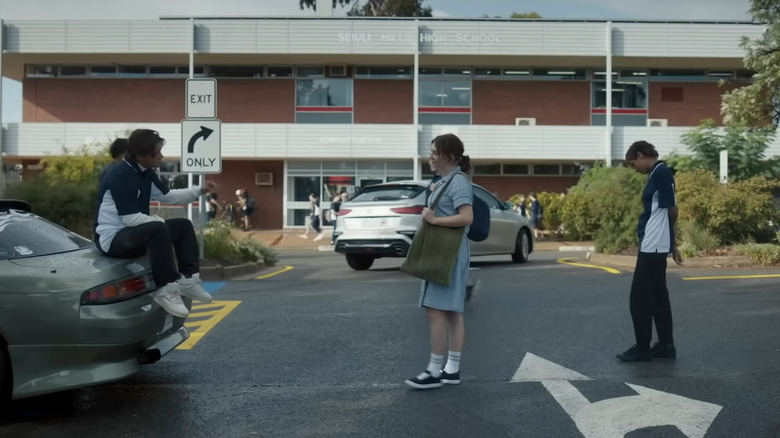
point(664, 350)
point(450, 379)
point(636, 354)
point(424, 381)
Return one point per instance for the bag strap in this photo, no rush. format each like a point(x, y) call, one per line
point(443, 189)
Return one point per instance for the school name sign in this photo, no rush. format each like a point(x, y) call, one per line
point(426, 37)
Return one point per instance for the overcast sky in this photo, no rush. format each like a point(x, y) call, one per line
point(725, 10)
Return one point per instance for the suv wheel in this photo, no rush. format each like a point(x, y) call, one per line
point(360, 262)
point(522, 247)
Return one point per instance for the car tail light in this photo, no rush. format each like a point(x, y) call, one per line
point(119, 290)
point(343, 212)
point(417, 209)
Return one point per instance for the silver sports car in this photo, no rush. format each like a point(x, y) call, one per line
point(381, 222)
point(69, 316)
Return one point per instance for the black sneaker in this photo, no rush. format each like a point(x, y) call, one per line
point(636, 354)
point(450, 379)
point(664, 350)
point(424, 381)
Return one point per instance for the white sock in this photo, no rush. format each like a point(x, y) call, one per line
point(453, 362)
point(434, 366)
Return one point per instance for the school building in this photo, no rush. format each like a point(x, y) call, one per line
point(324, 104)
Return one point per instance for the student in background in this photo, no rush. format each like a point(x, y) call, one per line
point(118, 149)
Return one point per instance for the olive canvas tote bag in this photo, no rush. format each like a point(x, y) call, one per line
point(434, 249)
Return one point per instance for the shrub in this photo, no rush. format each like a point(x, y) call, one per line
point(221, 245)
point(604, 206)
point(68, 204)
point(736, 212)
point(696, 239)
point(761, 253)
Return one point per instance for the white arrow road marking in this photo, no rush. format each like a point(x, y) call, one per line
point(615, 417)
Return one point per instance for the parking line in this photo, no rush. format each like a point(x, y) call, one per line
point(732, 277)
point(566, 261)
point(284, 269)
point(207, 324)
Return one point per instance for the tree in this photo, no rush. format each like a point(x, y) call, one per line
point(746, 151)
point(525, 15)
point(379, 8)
point(759, 102)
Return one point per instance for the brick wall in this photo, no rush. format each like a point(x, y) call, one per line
point(384, 101)
point(551, 102)
point(268, 199)
point(685, 103)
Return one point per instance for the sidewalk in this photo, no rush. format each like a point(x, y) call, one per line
point(290, 240)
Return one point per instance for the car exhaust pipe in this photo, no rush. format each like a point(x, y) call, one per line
point(147, 357)
point(399, 251)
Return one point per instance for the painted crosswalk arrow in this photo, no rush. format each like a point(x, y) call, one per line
point(615, 417)
point(204, 132)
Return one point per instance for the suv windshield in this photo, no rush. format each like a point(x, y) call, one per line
point(395, 192)
point(23, 234)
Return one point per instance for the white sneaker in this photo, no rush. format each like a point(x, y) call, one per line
point(319, 236)
point(169, 299)
point(304, 236)
point(193, 288)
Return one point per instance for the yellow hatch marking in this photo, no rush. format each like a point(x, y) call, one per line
point(207, 324)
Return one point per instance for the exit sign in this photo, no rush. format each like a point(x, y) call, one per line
point(201, 99)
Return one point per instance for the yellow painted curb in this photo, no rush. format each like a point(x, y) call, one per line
point(567, 261)
point(285, 269)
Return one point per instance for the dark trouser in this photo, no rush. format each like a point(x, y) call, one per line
point(155, 239)
point(315, 223)
point(650, 300)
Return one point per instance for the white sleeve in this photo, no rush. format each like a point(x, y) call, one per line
point(132, 220)
point(177, 196)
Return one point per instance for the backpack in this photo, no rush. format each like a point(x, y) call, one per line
point(480, 226)
point(250, 202)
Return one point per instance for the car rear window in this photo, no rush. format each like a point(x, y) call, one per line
point(396, 192)
point(24, 234)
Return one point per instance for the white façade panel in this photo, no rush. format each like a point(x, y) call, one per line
point(273, 36)
point(271, 140)
point(665, 139)
point(640, 39)
point(31, 36)
point(318, 140)
point(97, 36)
point(317, 36)
point(681, 39)
point(226, 36)
point(238, 139)
point(379, 37)
point(155, 36)
point(710, 40)
point(513, 38)
point(382, 141)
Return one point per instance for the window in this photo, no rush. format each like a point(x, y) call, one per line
point(489, 199)
point(502, 73)
point(626, 93)
point(487, 169)
point(558, 74)
point(73, 70)
point(162, 70)
point(516, 169)
point(132, 71)
point(102, 71)
point(240, 71)
point(41, 71)
point(672, 75)
point(24, 235)
point(311, 72)
point(280, 72)
point(383, 72)
point(397, 192)
point(324, 92)
point(547, 169)
point(445, 93)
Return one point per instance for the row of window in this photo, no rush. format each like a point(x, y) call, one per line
point(521, 169)
point(381, 72)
